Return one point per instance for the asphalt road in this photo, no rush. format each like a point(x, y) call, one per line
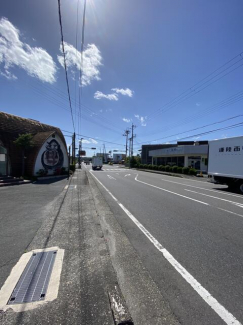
point(188, 234)
point(23, 208)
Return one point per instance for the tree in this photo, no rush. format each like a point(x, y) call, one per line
point(24, 141)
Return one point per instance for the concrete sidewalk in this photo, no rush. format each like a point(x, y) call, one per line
point(100, 266)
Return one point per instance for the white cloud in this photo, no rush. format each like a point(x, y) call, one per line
point(99, 95)
point(126, 119)
point(126, 92)
point(142, 119)
point(7, 74)
point(91, 61)
point(13, 52)
point(89, 141)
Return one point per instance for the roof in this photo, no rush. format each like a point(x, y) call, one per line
point(16, 125)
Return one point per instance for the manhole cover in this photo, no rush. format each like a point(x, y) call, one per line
point(33, 283)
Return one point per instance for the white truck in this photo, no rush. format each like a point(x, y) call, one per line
point(97, 163)
point(225, 162)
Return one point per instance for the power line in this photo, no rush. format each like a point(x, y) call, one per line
point(194, 90)
point(81, 64)
point(210, 131)
point(90, 137)
point(201, 127)
point(76, 46)
point(64, 60)
point(220, 105)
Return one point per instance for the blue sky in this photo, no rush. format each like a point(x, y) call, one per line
point(167, 66)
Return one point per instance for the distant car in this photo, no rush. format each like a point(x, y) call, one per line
point(110, 163)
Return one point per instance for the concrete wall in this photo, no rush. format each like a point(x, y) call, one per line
point(52, 155)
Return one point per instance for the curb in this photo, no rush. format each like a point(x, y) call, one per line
point(51, 177)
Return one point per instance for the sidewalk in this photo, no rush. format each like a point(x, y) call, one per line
point(100, 266)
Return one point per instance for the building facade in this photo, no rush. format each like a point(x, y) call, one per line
point(194, 156)
point(146, 148)
point(48, 152)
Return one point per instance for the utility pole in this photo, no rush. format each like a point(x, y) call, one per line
point(69, 152)
point(73, 149)
point(79, 152)
point(133, 136)
point(126, 135)
point(130, 147)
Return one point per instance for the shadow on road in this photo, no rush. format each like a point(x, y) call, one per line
point(228, 190)
point(50, 180)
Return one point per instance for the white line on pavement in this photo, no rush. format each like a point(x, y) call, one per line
point(201, 188)
point(215, 197)
point(227, 317)
point(163, 189)
point(127, 175)
point(66, 187)
point(231, 212)
point(111, 177)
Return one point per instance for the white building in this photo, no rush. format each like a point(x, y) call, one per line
point(195, 156)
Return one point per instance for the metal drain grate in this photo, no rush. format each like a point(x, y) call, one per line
point(33, 283)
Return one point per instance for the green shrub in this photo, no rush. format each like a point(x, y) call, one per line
point(168, 168)
point(192, 171)
point(72, 167)
point(185, 170)
point(42, 172)
point(174, 169)
point(179, 170)
point(161, 167)
point(149, 166)
point(155, 167)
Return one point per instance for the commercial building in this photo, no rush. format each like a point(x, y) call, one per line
point(146, 148)
point(48, 151)
point(118, 157)
point(184, 154)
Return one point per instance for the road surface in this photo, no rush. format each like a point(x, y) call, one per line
point(189, 236)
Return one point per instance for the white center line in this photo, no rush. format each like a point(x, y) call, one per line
point(223, 313)
point(201, 188)
point(163, 189)
point(215, 197)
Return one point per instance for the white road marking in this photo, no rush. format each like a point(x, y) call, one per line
point(127, 175)
point(111, 177)
point(231, 212)
point(215, 197)
point(223, 313)
point(75, 186)
point(163, 189)
point(201, 188)
point(66, 187)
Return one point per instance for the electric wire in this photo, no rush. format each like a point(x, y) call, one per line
point(64, 60)
point(201, 127)
point(218, 106)
point(90, 137)
point(240, 124)
point(195, 88)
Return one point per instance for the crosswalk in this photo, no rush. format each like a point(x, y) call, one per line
point(114, 169)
